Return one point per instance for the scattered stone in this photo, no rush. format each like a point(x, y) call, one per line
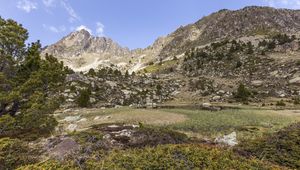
point(230, 140)
point(206, 105)
point(62, 150)
point(216, 98)
point(257, 83)
point(295, 81)
point(72, 118)
point(97, 118)
point(83, 120)
point(92, 100)
point(118, 106)
point(72, 127)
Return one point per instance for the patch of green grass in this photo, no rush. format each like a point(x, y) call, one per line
point(159, 67)
point(247, 123)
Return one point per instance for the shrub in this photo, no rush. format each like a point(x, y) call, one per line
point(84, 98)
point(280, 103)
point(282, 148)
point(14, 153)
point(242, 93)
point(296, 100)
point(163, 157)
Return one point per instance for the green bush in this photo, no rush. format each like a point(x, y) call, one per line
point(242, 93)
point(282, 148)
point(163, 157)
point(84, 98)
point(280, 103)
point(22, 126)
point(296, 100)
point(14, 153)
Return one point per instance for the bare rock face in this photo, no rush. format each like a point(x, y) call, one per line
point(82, 51)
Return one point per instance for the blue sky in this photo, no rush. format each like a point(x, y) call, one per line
point(131, 23)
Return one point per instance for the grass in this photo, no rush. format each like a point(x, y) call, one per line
point(247, 123)
point(156, 67)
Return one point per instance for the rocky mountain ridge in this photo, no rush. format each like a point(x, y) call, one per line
point(81, 51)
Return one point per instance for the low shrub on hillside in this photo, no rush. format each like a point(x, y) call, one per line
point(84, 98)
point(164, 157)
point(282, 148)
point(14, 153)
point(242, 93)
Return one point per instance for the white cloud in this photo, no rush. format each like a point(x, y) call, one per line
point(27, 5)
point(72, 14)
point(294, 4)
point(54, 29)
point(83, 27)
point(48, 3)
point(100, 29)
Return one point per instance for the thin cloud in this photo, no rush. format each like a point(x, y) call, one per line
point(72, 14)
point(83, 27)
point(54, 29)
point(49, 3)
point(27, 5)
point(295, 4)
point(100, 29)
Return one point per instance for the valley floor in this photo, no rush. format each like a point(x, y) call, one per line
point(177, 137)
point(247, 122)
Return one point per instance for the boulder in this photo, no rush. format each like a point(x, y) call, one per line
point(206, 105)
point(64, 148)
point(216, 98)
point(72, 127)
point(229, 140)
point(295, 81)
point(72, 118)
point(257, 83)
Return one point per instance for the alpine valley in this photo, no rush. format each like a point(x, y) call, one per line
point(220, 93)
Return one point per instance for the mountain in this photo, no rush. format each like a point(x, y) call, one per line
point(249, 21)
point(81, 51)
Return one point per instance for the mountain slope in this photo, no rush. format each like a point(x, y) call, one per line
point(250, 21)
point(81, 51)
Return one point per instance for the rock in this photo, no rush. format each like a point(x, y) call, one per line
point(216, 98)
point(67, 91)
point(221, 92)
point(97, 118)
point(124, 132)
point(92, 100)
point(229, 140)
point(257, 83)
point(118, 106)
point(72, 118)
point(72, 127)
point(206, 105)
point(82, 120)
point(62, 150)
point(295, 81)
point(113, 126)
